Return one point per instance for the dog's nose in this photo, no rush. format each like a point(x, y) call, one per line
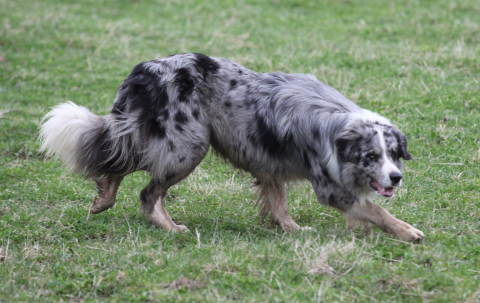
point(396, 177)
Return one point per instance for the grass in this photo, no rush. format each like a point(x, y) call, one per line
point(416, 62)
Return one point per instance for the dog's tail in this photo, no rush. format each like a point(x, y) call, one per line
point(82, 140)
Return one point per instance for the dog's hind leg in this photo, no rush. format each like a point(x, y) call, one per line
point(173, 171)
point(273, 201)
point(107, 191)
point(380, 217)
point(153, 199)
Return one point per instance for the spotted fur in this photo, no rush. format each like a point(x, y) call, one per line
point(279, 127)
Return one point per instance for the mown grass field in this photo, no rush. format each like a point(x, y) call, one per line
point(415, 62)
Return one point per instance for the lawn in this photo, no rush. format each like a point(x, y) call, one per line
point(415, 62)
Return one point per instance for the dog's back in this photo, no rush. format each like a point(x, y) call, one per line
point(168, 111)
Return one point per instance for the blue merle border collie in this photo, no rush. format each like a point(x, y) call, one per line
point(279, 127)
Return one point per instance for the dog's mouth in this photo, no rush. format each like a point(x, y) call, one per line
point(386, 192)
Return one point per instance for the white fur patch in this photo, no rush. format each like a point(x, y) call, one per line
point(62, 129)
point(388, 166)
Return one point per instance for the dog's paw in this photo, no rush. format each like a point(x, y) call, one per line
point(99, 205)
point(416, 235)
point(410, 233)
point(289, 226)
point(179, 228)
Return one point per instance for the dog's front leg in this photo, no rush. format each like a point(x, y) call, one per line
point(273, 202)
point(381, 218)
point(353, 223)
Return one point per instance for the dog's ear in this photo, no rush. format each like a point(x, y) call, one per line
point(402, 144)
point(344, 142)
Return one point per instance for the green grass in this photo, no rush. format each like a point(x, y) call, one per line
point(415, 62)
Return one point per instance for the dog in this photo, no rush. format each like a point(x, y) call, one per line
point(279, 127)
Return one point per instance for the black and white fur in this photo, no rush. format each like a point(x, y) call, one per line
point(279, 127)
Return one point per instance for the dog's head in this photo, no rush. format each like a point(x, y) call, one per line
point(369, 156)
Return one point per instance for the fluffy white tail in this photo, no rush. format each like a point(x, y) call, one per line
point(63, 131)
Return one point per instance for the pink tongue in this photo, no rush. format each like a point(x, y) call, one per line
point(383, 191)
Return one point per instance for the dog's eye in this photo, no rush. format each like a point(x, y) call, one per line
point(394, 155)
point(372, 157)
